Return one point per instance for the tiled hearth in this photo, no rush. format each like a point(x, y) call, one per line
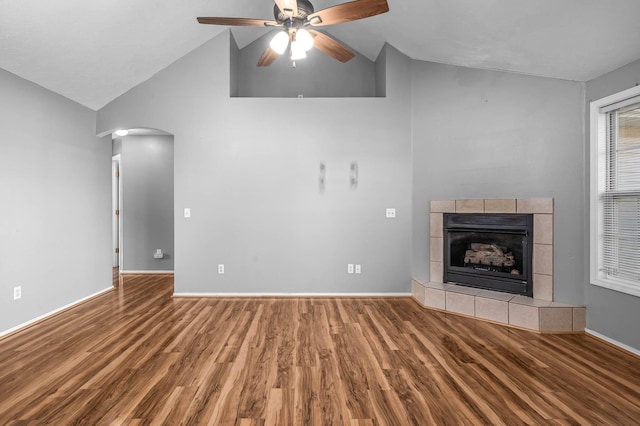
point(539, 313)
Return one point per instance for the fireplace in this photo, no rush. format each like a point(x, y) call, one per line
point(489, 250)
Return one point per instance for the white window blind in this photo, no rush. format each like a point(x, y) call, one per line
point(619, 196)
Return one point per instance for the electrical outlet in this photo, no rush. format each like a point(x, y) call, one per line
point(221, 269)
point(187, 212)
point(391, 213)
point(350, 268)
point(358, 268)
point(17, 293)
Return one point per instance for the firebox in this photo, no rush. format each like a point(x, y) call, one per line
point(489, 250)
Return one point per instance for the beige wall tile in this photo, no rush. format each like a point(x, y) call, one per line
point(524, 316)
point(495, 295)
point(434, 298)
point(579, 319)
point(437, 286)
point(528, 301)
point(534, 205)
point(436, 272)
point(543, 259)
point(556, 319)
point(443, 206)
point(500, 206)
point(436, 225)
point(491, 309)
point(543, 287)
point(417, 291)
point(436, 249)
point(470, 206)
point(463, 289)
point(460, 303)
point(543, 229)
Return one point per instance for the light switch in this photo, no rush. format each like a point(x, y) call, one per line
point(187, 212)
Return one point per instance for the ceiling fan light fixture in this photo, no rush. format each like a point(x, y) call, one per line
point(280, 42)
point(297, 51)
point(304, 39)
point(295, 16)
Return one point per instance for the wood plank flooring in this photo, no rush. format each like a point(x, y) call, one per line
point(138, 356)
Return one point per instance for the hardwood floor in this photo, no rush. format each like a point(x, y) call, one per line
point(138, 356)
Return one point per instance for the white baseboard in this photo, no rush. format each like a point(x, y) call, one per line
point(613, 342)
point(49, 314)
point(291, 294)
point(146, 272)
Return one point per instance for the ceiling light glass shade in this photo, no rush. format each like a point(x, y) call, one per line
point(122, 132)
point(305, 39)
point(280, 42)
point(297, 52)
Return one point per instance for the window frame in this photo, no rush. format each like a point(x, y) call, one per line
point(598, 159)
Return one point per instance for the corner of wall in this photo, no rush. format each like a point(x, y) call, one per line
point(234, 52)
point(381, 73)
point(397, 74)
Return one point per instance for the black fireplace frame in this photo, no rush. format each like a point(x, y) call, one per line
point(495, 223)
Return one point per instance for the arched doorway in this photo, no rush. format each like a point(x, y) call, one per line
point(142, 202)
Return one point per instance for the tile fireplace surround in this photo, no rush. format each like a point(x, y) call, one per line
point(539, 313)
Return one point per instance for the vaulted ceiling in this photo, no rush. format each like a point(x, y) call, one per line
point(93, 51)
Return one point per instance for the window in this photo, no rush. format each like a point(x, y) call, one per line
point(615, 192)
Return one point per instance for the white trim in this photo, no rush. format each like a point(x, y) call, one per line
point(597, 126)
point(617, 97)
point(291, 294)
point(146, 272)
point(49, 314)
point(597, 147)
point(115, 204)
point(118, 159)
point(613, 342)
point(621, 104)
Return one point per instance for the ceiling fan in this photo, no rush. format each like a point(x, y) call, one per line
point(294, 16)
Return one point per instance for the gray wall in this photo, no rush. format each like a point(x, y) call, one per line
point(253, 188)
point(55, 218)
point(381, 73)
point(252, 183)
point(611, 313)
point(116, 146)
point(234, 73)
point(487, 134)
point(316, 76)
point(451, 132)
point(147, 202)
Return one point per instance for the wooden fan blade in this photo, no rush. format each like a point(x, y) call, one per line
point(239, 22)
point(288, 5)
point(331, 47)
point(346, 12)
point(267, 57)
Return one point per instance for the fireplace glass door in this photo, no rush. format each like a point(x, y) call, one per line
point(489, 251)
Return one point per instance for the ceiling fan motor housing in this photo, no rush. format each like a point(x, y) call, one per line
point(305, 8)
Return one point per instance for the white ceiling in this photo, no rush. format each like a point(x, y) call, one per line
point(93, 51)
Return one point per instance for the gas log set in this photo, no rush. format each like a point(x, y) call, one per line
point(490, 257)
